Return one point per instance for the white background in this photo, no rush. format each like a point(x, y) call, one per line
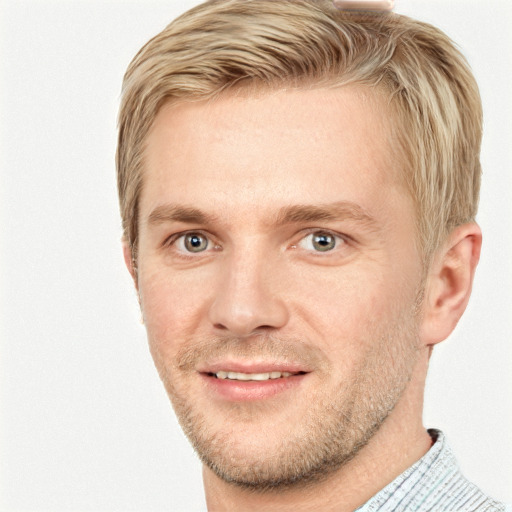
point(85, 423)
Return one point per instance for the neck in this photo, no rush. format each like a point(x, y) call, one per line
point(400, 442)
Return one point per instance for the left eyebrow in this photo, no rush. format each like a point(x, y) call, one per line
point(342, 210)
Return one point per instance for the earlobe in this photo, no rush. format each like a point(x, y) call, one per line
point(449, 283)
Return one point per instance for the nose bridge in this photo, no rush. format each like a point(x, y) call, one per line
point(248, 295)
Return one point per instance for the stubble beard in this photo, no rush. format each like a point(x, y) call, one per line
point(337, 423)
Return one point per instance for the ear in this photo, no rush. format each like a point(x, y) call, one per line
point(449, 283)
point(129, 262)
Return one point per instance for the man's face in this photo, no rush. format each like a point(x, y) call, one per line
point(277, 249)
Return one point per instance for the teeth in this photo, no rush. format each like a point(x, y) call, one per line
point(251, 376)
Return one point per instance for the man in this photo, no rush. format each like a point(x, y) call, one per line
point(298, 188)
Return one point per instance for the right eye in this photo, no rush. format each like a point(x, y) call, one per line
point(192, 243)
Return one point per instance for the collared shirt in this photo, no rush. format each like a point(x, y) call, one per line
point(433, 484)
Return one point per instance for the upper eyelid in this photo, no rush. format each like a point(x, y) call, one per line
point(303, 233)
point(171, 239)
point(325, 232)
point(337, 234)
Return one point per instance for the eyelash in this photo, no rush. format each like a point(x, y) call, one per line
point(340, 239)
point(172, 240)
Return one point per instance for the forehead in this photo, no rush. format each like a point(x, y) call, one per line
point(249, 152)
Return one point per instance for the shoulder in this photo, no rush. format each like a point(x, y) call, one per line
point(447, 489)
point(435, 484)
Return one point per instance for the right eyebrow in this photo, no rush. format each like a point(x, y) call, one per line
point(179, 213)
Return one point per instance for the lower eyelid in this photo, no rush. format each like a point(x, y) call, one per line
point(178, 240)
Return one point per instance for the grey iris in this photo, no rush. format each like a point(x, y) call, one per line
point(195, 242)
point(324, 242)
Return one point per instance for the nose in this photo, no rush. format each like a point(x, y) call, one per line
point(249, 296)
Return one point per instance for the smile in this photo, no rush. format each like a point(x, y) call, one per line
point(253, 376)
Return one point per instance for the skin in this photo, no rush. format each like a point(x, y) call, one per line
point(255, 178)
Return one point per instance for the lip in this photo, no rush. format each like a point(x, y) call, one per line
point(239, 366)
point(248, 391)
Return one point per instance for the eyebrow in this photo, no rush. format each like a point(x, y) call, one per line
point(296, 214)
point(179, 213)
point(341, 210)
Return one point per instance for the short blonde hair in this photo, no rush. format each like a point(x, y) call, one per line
point(220, 44)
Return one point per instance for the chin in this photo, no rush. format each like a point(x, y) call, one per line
point(262, 451)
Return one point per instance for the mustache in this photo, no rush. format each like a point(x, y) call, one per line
point(268, 347)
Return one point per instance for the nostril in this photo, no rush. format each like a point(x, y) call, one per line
point(261, 328)
point(265, 328)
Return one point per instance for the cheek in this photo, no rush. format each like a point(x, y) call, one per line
point(346, 294)
point(348, 311)
point(172, 307)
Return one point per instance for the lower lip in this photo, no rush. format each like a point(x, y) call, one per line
point(251, 390)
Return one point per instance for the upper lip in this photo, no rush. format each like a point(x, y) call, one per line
point(238, 366)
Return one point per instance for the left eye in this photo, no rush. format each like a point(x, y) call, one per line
point(193, 242)
point(320, 241)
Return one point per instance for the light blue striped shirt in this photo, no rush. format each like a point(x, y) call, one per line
point(433, 484)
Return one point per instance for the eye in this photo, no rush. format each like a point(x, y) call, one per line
point(192, 242)
point(320, 241)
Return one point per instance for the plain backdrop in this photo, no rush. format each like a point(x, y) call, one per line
point(85, 423)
